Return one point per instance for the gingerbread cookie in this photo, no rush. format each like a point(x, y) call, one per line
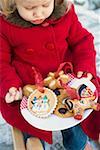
point(79, 106)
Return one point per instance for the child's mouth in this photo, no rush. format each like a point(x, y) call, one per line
point(37, 21)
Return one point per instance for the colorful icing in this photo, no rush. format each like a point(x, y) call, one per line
point(85, 91)
point(62, 110)
point(40, 104)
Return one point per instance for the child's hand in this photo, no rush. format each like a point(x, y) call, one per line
point(87, 75)
point(99, 138)
point(13, 95)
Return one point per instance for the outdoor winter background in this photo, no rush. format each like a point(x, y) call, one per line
point(89, 14)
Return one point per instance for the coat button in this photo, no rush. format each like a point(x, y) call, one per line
point(30, 50)
point(50, 46)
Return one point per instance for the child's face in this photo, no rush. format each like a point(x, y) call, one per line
point(35, 11)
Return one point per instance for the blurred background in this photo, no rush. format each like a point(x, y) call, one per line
point(89, 15)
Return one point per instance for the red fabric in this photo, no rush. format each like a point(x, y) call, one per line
point(91, 125)
point(44, 48)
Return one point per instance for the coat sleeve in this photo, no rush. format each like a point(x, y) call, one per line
point(82, 46)
point(8, 75)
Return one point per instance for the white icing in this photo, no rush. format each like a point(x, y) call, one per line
point(40, 105)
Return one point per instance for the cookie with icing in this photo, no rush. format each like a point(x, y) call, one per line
point(79, 106)
point(61, 109)
point(42, 104)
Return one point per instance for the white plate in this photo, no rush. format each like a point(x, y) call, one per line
point(54, 123)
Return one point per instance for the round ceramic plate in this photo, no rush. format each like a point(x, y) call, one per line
point(53, 122)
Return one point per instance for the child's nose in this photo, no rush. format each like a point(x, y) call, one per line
point(38, 13)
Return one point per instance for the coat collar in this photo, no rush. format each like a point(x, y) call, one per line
point(59, 11)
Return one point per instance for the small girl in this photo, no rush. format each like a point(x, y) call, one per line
point(43, 34)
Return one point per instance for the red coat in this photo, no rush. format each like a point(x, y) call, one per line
point(44, 47)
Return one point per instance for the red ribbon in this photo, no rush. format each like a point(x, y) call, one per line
point(38, 79)
point(71, 91)
point(66, 66)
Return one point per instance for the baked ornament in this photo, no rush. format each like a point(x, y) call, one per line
point(41, 101)
point(61, 109)
point(86, 101)
point(77, 107)
point(42, 104)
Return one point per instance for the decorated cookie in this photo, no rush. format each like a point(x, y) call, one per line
point(42, 104)
point(65, 78)
point(85, 92)
point(53, 79)
point(79, 106)
point(71, 92)
point(61, 109)
point(61, 94)
point(28, 89)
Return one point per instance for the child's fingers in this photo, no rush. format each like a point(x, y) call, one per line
point(99, 138)
point(79, 74)
point(18, 95)
point(12, 90)
point(9, 98)
point(20, 92)
point(10, 95)
point(13, 95)
point(89, 76)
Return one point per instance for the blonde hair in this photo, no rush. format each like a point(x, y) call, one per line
point(8, 6)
